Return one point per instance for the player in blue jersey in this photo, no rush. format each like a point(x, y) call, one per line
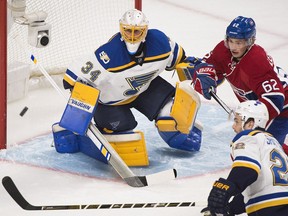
point(126, 71)
point(258, 180)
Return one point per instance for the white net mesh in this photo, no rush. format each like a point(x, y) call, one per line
point(78, 27)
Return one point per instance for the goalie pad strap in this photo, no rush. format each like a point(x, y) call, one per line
point(123, 137)
point(166, 125)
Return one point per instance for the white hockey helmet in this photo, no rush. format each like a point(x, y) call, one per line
point(253, 109)
point(133, 29)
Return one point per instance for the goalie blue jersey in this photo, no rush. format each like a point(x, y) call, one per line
point(121, 77)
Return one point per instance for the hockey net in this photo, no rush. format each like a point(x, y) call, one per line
point(77, 27)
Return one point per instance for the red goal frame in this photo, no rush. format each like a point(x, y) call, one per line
point(3, 70)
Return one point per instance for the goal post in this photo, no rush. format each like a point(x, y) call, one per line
point(77, 28)
point(138, 4)
point(3, 74)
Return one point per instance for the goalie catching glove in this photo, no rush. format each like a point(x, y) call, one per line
point(185, 69)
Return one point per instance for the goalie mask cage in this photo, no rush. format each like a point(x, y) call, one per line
point(77, 27)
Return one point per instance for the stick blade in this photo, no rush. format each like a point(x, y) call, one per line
point(11, 188)
point(160, 177)
point(155, 178)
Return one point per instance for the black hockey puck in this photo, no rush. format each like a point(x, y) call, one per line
point(22, 113)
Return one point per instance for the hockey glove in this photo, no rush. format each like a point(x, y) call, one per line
point(206, 212)
point(186, 68)
point(204, 79)
point(193, 61)
point(237, 205)
point(219, 197)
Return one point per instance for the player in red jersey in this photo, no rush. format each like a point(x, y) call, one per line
point(251, 73)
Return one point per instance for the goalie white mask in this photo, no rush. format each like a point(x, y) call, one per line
point(133, 29)
point(253, 109)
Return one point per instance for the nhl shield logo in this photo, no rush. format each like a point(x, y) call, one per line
point(104, 57)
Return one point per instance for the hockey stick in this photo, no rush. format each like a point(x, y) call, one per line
point(120, 166)
point(12, 189)
point(221, 103)
point(106, 149)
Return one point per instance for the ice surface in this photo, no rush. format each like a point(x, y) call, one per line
point(39, 151)
point(46, 177)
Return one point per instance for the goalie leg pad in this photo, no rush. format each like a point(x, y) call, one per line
point(80, 108)
point(130, 146)
point(187, 142)
point(185, 107)
point(88, 148)
point(64, 141)
point(178, 128)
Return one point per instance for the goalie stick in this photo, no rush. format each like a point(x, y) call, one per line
point(13, 191)
point(105, 147)
point(119, 165)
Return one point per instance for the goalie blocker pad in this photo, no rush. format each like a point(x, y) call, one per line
point(80, 108)
point(131, 146)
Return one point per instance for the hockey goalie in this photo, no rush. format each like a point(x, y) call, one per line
point(122, 74)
